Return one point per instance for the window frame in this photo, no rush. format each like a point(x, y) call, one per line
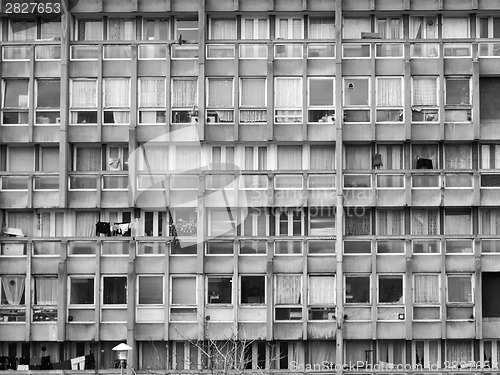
point(290, 21)
point(391, 276)
point(207, 293)
point(460, 303)
point(255, 27)
point(81, 305)
point(105, 305)
point(370, 286)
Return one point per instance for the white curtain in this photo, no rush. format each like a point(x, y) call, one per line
point(455, 27)
point(389, 28)
point(321, 290)
point(152, 93)
point(222, 28)
point(22, 220)
point(46, 291)
point(120, 29)
point(390, 222)
point(88, 159)
point(289, 157)
point(254, 28)
point(423, 27)
point(457, 156)
point(425, 222)
point(490, 156)
point(490, 221)
point(391, 351)
point(458, 350)
point(320, 352)
point(288, 290)
point(289, 28)
point(184, 93)
point(90, 30)
point(389, 92)
point(357, 350)
point(392, 156)
point(353, 27)
point(426, 289)
point(187, 157)
point(220, 92)
point(357, 223)
point(116, 92)
point(13, 288)
point(288, 93)
point(85, 224)
point(84, 93)
point(21, 30)
point(321, 28)
point(322, 158)
point(424, 91)
point(358, 157)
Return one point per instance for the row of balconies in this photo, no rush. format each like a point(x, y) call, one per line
point(265, 189)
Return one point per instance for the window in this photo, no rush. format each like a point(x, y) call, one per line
point(321, 28)
point(89, 29)
point(183, 290)
point(254, 28)
point(322, 221)
point(150, 289)
point(423, 27)
point(460, 289)
point(488, 98)
point(253, 100)
point(490, 221)
point(253, 289)
point(114, 290)
point(288, 100)
point(47, 101)
point(456, 27)
point(457, 221)
point(155, 29)
point(357, 157)
point(321, 295)
point(220, 100)
point(425, 222)
point(391, 352)
point(489, 27)
point(457, 91)
point(425, 99)
point(289, 28)
point(220, 289)
point(86, 159)
point(222, 28)
point(390, 222)
point(22, 30)
point(490, 156)
point(490, 282)
point(45, 298)
point(390, 289)
point(288, 297)
point(117, 158)
point(83, 101)
point(389, 99)
point(222, 158)
point(322, 158)
point(289, 157)
point(152, 101)
point(426, 354)
point(256, 158)
point(458, 351)
point(184, 100)
point(357, 99)
point(51, 224)
point(389, 27)
point(184, 222)
point(20, 159)
point(15, 103)
point(425, 157)
point(357, 289)
point(12, 298)
point(121, 29)
point(187, 157)
point(222, 222)
point(357, 221)
point(354, 28)
point(457, 156)
point(391, 157)
point(289, 222)
point(426, 289)
point(255, 223)
point(321, 100)
point(187, 31)
point(154, 223)
point(358, 353)
point(116, 101)
point(81, 290)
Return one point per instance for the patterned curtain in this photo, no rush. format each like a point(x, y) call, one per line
point(222, 28)
point(424, 222)
point(288, 290)
point(288, 93)
point(426, 289)
point(116, 92)
point(321, 290)
point(220, 93)
point(389, 92)
point(424, 91)
point(184, 93)
point(84, 93)
point(321, 28)
point(120, 29)
point(458, 350)
point(457, 157)
point(390, 222)
point(152, 93)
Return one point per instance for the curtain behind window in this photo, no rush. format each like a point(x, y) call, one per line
point(21, 30)
point(321, 290)
point(357, 223)
point(46, 291)
point(187, 157)
point(320, 352)
point(490, 221)
point(289, 157)
point(184, 93)
point(321, 28)
point(288, 290)
point(152, 93)
point(392, 156)
point(390, 222)
point(322, 158)
point(220, 93)
point(353, 27)
point(358, 157)
point(89, 30)
point(426, 289)
point(357, 350)
point(120, 29)
point(222, 28)
point(88, 159)
point(424, 222)
point(457, 157)
point(22, 220)
point(84, 93)
point(458, 350)
point(13, 289)
point(116, 92)
point(254, 28)
point(389, 92)
point(288, 93)
point(85, 224)
point(424, 91)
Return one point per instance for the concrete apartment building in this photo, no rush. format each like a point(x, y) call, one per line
point(316, 181)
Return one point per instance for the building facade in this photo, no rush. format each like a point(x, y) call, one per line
point(315, 181)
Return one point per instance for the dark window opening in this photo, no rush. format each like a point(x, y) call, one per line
point(253, 289)
point(491, 303)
